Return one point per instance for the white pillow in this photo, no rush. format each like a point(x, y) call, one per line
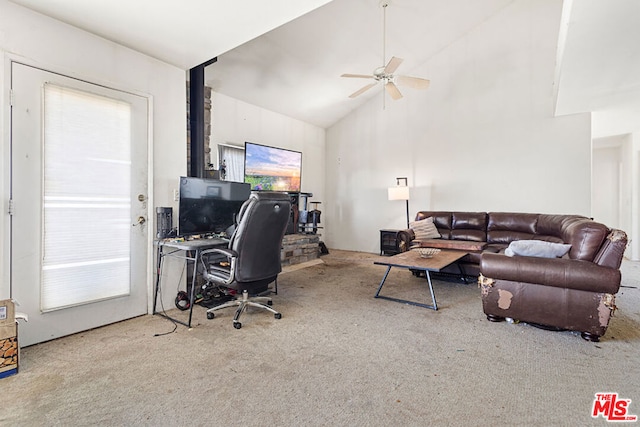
point(537, 248)
point(425, 229)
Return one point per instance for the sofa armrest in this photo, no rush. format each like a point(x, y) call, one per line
point(557, 272)
point(404, 239)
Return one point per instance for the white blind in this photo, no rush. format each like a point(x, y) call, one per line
point(234, 159)
point(86, 198)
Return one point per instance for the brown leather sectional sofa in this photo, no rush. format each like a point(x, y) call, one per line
point(575, 292)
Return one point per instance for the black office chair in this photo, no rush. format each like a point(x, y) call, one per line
point(252, 260)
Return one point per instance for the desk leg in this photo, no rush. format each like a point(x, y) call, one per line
point(419, 304)
point(192, 298)
point(157, 291)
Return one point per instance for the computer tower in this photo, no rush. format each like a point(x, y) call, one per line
point(164, 222)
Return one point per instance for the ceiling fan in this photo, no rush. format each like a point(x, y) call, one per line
point(385, 74)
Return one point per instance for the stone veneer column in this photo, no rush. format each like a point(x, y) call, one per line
point(207, 130)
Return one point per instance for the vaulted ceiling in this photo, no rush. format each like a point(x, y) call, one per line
point(287, 56)
point(295, 69)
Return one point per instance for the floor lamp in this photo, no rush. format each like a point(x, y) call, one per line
point(400, 192)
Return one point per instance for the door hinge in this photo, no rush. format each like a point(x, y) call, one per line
point(10, 210)
point(11, 97)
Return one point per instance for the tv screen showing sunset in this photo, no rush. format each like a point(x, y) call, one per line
point(272, 169)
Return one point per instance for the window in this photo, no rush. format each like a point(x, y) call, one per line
point(233, 158)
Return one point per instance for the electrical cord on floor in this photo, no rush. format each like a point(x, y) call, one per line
point(175, 324)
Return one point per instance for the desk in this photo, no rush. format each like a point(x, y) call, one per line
point(192, 250)
point(411, 260)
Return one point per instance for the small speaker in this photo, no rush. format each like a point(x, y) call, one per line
point(164, 222)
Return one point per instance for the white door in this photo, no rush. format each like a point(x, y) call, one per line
point(79, 204)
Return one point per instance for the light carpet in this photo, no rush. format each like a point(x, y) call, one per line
point(337, 357)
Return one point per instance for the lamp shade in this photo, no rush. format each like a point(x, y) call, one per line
point(398, 193)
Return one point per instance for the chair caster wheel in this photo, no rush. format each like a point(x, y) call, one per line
point(278, 316)
point(210, 316)
point(269, 302)
point(237, 325)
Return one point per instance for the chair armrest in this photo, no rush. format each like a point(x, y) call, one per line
point(216, 273)
point(556, 272)
point(229, 253)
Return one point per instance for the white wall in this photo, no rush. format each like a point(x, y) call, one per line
point(482, 138)
point(234, 122)
point(58, 47)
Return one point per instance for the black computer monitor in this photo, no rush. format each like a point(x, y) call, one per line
point(209, 206)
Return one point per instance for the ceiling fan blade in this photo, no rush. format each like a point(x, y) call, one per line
point(392, 90)
point(413, 82)
point(393, 65)
point(361, 90)
point(358, 76)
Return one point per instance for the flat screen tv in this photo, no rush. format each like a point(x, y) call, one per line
point(209, 206)
point(272, 169)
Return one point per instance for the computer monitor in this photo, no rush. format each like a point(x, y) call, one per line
point(209, 206)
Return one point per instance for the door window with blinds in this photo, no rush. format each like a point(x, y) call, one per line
point(86, 198)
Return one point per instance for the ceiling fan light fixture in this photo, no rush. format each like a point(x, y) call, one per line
point(385, 73)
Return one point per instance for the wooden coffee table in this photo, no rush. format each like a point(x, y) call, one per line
point(411, 260)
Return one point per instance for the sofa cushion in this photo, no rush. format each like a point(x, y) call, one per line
point(537, 248)
point(585, 236)
point(505, 227)
point(506, 236)
point(552, 239)
point(552, 225)
point(469, 226)
point(424, 229)
point(520, 222)
point(469, 221)
point(472, 235)
point(495, 248)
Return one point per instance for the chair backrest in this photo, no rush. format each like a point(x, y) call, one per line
point(262, 222)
